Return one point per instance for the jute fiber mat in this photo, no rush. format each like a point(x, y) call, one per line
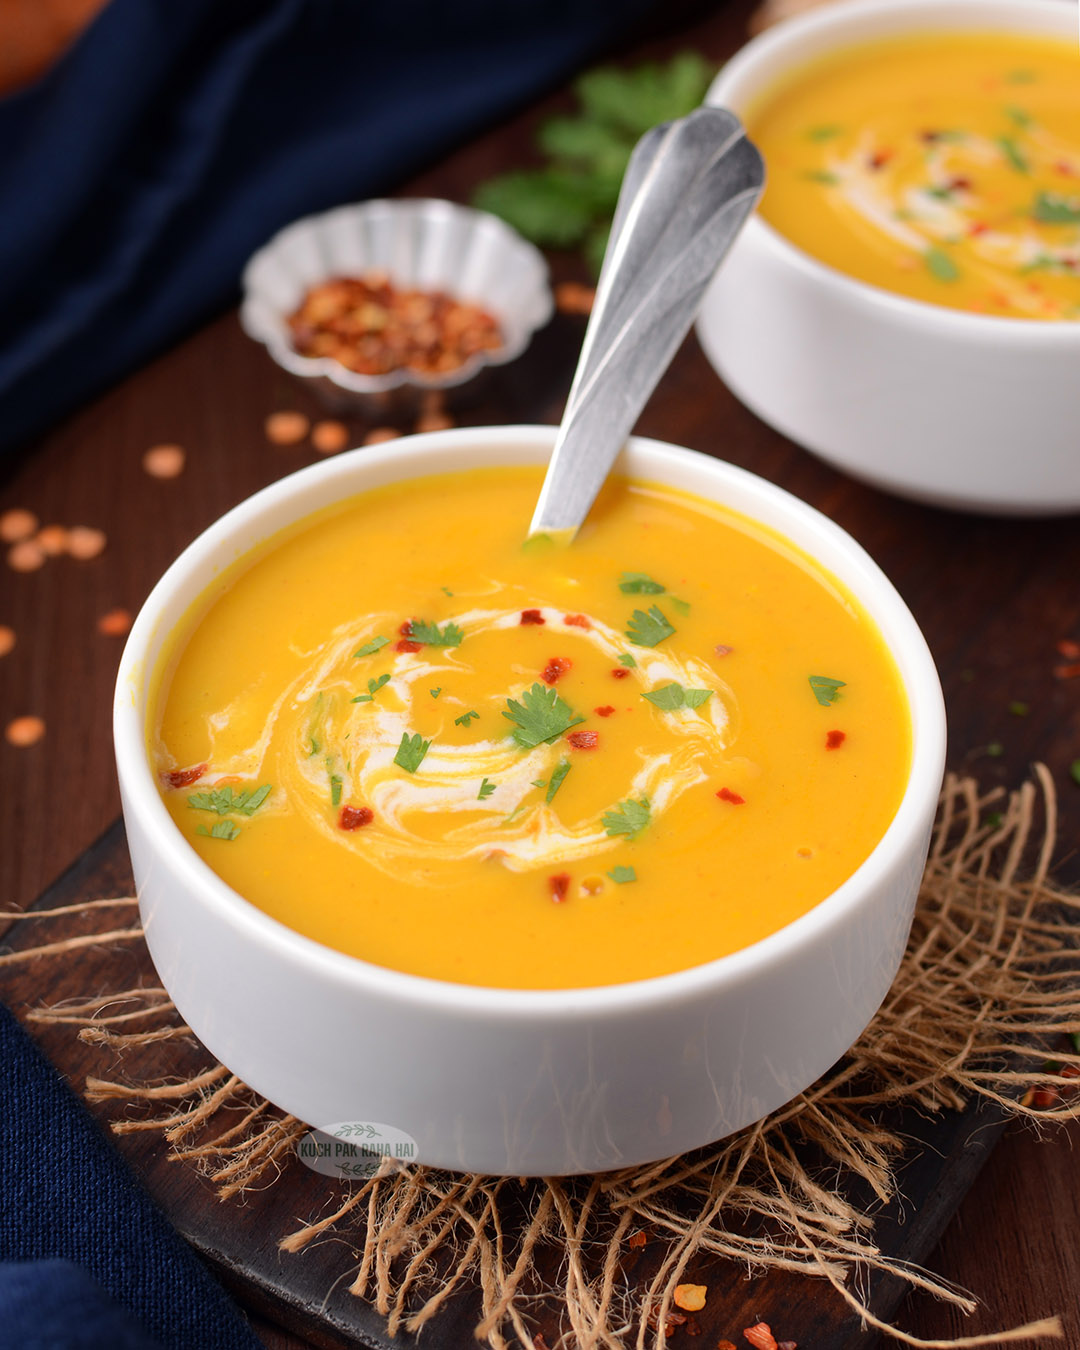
point(986, 1005)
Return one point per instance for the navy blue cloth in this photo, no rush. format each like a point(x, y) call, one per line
point(176, 136)
point(87, 1261)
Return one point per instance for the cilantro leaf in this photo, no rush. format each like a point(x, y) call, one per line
point(821, 176)
point(373, 688)
point(221, 829)
point(447, 591)
point(635, 100)
point(628, 661)
point(823, 133)
point(681, 606)
point(370, 648)
point(826, 690)
point(640, 583)
point(1018, 116)
point(450, 635)
point(465, 718)
point(1053, 209)
point(1012, 152)
point(411, 752)
point(551, 207)
point(628, 818)
point(621, 875)
point(673, 696)
point(487, 787)
point(557, 779)
point(648, 630)
point(696, 697)
point(225, 801)
point(435, 692)
point(335, 790)
point(540, 716)
point(940, 264)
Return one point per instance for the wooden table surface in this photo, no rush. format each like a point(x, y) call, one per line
point(992, 596)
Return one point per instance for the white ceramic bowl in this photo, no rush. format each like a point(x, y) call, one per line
point(506, 1081)
point(431, 244)
point(961, 410)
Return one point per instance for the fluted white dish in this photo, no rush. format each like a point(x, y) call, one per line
point(522, 1082)
point(970, 411)
point(426, 243)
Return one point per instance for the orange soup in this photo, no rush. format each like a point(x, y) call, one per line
point(406, 735)
point(944, 167)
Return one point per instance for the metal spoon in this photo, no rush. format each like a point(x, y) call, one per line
point(688, 189)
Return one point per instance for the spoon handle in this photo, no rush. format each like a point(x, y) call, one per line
point(688, 189)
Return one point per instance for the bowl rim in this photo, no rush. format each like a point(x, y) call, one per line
point(142, 799)
point(839, 18)
point(325, 367)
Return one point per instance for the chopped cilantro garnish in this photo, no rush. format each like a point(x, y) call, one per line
point(821, 176)
point(411, 752)
point(226, 802)
point(536, 543)
point(508, 820)
point(221, 829)
point(648, 630)
point(629, 818)
point(450, 635)
point(335, 790)
point(540, 716)
point(673, 696)
point(435, 692)
point(466, 718)
point(557, 777)
point(621, 875)
point(487, 787)
point(640, 583)
point(682, 606)
point(1012, 152)
point(539, 782)
point(1020, 77)
point(1019, 709)
point(940, 264)
point(628, 661)
point(1053, 209)
point(370, 648)
point(823, 133)
point(826, 690)
point(993, 819)
point(447, 591)
point(373, 688)
point(1018, 116)
point(995, 749)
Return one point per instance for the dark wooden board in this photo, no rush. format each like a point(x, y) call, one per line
point(307, 1292)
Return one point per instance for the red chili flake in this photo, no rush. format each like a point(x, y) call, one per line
point(407, 645)
point(406, 628)
point(977, 227)
point(760, 1336)
point(558, 665)
point(960, 184)
point(637, 1239)
point(352, 817)
point(1040, 1099)
point(929, 137)
point(605, 711)
point(1063, 167)
point(532, 616)
point(1069, 672)
point(584, 740)
point(179, 778)
point(726, 795)
point(560, 884)
point(880, 158)
point(721, 650)
point(576, 621)
point(1069, 650)
point(672, 1321)
point(835, 739)
point(619, 673)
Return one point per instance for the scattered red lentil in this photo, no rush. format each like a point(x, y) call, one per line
point(329, 437)
point(17, 524)
point(559, 884)
point(571, 297)
point(690, 1297)
point(580, 621)
point(286, 428)
point(584, 740)
point(760, 1336)
point(835, 739)
point(52, 540)
point(726, 795)
point(114, 624)
point(558, 665)
point(605, 711)
point(532, 616)
point(377, 435)
point(26, 556)
point(182, 778)
point(352, 817)
point(434, 421)
point(85, 542)
point(164, 461)
point(24, 731)
point(619, 673)
point(7, 639)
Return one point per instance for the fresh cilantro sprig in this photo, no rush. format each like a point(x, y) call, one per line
point(466, 718)
point(225, 801)
point(370, 648)
point(221, 829)
point(648, 629)
point(628, 818)
point(1053, 209)
point(540, 716)
point(640, 583)
point(1013, 154)
point(487, 787)
point(826, 690)
point(411, 752)
point(373, 687)
point(431, 635)
point(557, 777)
point(672, 697)
point(621, 875)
